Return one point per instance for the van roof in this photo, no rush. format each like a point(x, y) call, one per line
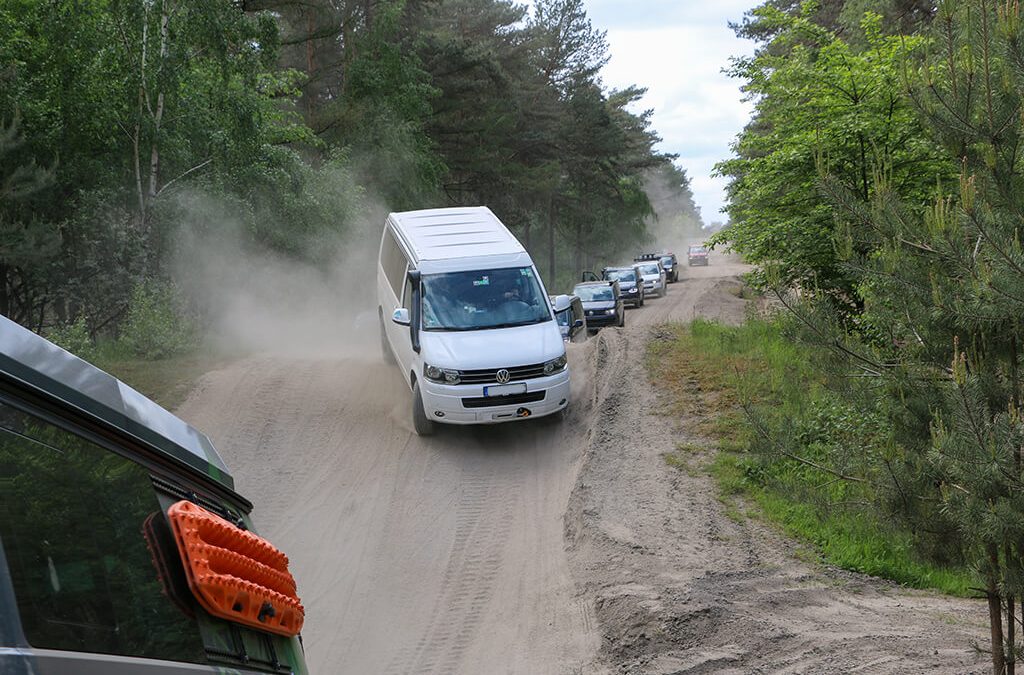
point(462, 232)
point(45, 369)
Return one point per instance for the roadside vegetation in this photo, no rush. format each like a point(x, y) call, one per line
point(879, 191)
point(779, 430)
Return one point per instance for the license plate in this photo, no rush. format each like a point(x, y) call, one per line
point(505, 389)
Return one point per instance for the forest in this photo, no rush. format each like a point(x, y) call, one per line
point(127, 126)
point(878, 189)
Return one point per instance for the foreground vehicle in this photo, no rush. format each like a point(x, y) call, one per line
point(124, 547)
point(572, 322)
point(468, 320)
point(697, 255)
point(653, 275)
point(602, 303)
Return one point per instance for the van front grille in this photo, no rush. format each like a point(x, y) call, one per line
point(512, 399)
point(490, 375)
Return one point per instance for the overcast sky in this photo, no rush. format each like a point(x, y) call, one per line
point(677, 49)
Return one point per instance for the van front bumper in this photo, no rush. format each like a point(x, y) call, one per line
point(466, 403)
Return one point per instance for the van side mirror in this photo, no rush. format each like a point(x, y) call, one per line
point(562, 303)
point(577, 324)
point(401, 316)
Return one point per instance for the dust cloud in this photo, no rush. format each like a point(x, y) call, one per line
point(677, 221)
point(252, 300)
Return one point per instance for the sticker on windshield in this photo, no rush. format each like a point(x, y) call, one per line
point(526, 272)
point(482, 281)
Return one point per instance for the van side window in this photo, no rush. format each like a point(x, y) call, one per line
point(71, 529)
point(407, 295)
point(392, 259)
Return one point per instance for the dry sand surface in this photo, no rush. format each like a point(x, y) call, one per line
point(543, 546)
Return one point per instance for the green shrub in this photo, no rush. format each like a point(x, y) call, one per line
point(74, 337)
point(157, 325)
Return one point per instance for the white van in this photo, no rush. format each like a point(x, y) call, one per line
point(464, 314)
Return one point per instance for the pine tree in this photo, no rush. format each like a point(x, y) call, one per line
point(943, 293)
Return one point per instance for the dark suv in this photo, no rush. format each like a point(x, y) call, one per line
point(124, 547)
point(631, 286)
point(602, 303)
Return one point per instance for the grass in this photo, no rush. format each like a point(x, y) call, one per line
point(720, 376)
point(167, 381)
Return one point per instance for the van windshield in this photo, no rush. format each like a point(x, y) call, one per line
point(482, 299)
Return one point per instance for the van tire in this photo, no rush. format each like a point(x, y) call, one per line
point(385, 346)
point(423, 425)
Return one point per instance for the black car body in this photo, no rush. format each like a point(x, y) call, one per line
point(631, 286)
point(671, 265)
point(697, 255)
point(602, 303)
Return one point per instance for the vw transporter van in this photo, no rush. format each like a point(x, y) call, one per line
point(124, 548)
point(465, 316)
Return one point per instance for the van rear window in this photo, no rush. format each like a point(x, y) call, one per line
point(71, 528)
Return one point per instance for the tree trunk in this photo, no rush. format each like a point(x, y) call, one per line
point(5, 298)
point(158, 114)
point(551, 240)
point(995, 612)
point(1011, 656)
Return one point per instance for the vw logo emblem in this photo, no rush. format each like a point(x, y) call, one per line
point(502, 376)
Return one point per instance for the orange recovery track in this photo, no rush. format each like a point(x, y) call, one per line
point(235, 574)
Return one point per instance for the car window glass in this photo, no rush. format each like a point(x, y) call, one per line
point(393, 261)
point(71, 527)
point(480, 299)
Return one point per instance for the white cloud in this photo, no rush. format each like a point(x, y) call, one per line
point(679, 55)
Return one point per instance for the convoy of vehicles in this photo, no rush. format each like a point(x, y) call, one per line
point(602, 303)
point(464, 314)
point(124, 547)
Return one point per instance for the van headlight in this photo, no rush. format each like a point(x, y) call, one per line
point(441, 375)
point(554, 365)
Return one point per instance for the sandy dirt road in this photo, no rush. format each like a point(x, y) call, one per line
point(542, 547)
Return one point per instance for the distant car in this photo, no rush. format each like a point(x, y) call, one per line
point(668, 262)
point(602, 302)
point(572, 321)
point(671, 265)
point(631, 286)
point(697, 255)
point(653, 275)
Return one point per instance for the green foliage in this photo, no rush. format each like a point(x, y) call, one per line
point(74, 337)
point(786, 437)
point(821, 106)
point(157, 326)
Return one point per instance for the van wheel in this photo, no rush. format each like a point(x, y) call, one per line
point(385, 347)
point(423, 425)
